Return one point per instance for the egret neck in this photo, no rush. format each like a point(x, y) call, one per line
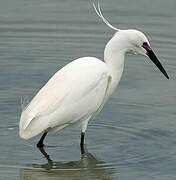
point(114, 56)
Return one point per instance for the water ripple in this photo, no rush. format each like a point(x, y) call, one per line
point(133, 146)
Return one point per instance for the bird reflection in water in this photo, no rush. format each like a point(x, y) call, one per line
point(88, 167)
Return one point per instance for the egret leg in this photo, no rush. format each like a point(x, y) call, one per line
point(83, 130)
point(40, 143)
point(82, 143)
point(42, 150)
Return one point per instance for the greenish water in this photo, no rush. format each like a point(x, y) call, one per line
point(134, 137)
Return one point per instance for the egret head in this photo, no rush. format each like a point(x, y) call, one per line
point(132, 41)
point(139, 44)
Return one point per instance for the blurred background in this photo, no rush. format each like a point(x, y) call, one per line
point(134, 137)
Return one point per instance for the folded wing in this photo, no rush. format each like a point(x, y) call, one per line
point(75, 92)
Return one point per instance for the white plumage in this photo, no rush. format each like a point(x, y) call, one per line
point(77, 92)
point(72, 95)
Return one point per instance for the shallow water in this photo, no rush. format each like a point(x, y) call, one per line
point(134, 137)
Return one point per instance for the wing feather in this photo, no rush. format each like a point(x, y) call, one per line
point(73, 92)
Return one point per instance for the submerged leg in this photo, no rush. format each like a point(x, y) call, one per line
point(82, 143)
point(42, 150)
point(40, 143)
point(83, 130)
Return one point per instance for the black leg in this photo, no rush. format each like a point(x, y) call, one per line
point(40, 143)
point(42, 150)
point(82, 143)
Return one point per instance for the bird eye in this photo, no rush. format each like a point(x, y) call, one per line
point(145, 44)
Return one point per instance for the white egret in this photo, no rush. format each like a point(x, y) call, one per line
point(78, 91)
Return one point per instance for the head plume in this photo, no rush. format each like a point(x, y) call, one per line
point(99, 13)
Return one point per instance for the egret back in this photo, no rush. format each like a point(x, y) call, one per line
point(73, 93)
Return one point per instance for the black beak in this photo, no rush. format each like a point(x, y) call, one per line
point(154, 59)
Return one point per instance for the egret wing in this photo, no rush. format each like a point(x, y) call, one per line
point(74, 92)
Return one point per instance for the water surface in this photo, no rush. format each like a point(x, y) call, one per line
point(133, 138)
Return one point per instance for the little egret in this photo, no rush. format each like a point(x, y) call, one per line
point(78, 91)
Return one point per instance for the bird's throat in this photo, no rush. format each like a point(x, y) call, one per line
point(115, 64)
